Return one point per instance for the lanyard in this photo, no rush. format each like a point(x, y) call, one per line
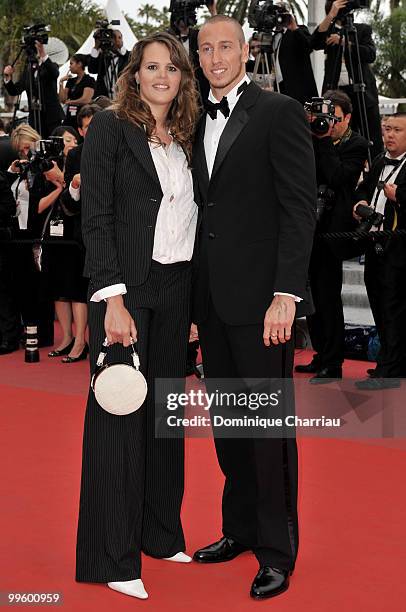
point(381, 183)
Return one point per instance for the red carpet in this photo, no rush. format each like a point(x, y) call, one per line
point(352, 512)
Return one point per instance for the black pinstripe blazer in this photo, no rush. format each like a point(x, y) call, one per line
point(121, 195)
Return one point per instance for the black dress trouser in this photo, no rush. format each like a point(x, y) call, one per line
point(260, 491)
point(132, 484)
point(326, 325)
point(385, 283)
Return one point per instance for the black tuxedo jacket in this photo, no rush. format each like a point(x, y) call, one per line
point(365, 190)
point(333, 58)
point(48, 76)
point(257, 209)
point(120, 195)
point(97, 66)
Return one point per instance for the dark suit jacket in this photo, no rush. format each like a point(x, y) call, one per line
point(51, 108)
point(294, 59)
point(7, 202)
point(340, 167)
point(332, 68)
point(365, 191)
point(258, 209)
point(97, 66)
point(121, 195)
point(70, 206)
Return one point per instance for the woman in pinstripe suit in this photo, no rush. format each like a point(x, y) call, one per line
point(139, 222)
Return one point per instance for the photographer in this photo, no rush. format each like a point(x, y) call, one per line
point(77, 91)
point(9, 320)
point(340, 37)
point(42, 74)
point(291, 49)
point(340, 156)
point(27, 301)
point(107, 59)
point(182, 26)
point(381, 204)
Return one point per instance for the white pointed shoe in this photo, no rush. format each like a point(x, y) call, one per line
point(180, 557)
point(135, 588)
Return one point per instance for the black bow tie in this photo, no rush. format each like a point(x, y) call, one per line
point(222, 106)
point(184, 38)
point(388, 161)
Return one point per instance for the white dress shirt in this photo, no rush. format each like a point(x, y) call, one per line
point(212, 135)
point(176, 222)
point(381, 201)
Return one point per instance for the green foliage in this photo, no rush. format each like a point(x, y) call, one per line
point(70, 20)
point(390, 65)
point(151, 20)
point(239, 9)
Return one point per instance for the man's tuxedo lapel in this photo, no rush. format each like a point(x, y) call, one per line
point(138, 143)
point(199, 158)
point(237, 121)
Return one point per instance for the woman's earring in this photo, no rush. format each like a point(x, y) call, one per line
point(137, 84)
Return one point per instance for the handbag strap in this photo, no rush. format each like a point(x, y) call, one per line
point(105, 347)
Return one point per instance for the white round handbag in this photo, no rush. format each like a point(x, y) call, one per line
point(119, 388)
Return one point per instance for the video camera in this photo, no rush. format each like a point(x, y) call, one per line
point(46, 152)
point(266, 17)
point(353, 5)
point(185, 11)
point(321, 114)
point(38, 32)
point(105, 34)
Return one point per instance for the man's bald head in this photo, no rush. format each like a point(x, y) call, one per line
point(225, 19)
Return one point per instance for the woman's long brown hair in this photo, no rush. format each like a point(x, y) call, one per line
point(183, 113)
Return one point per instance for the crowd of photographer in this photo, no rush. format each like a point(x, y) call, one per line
point(42, 268)
point(347, 136)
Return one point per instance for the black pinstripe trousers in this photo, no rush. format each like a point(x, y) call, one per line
point(132, 483)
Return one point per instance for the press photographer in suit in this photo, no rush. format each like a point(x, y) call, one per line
point(254, 244)
point(340, 156)
point(384, 192)
point(341, 66)
point(108, 68)
point(51, 114)
point(291, 57)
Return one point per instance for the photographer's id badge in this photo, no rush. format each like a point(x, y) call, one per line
point(56, 227)
point(72, 110)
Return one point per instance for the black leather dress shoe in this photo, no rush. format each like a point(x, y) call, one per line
point(377, 384)
point(310, 368)
point(371, 372)
point(269, 582)
point(8, 347)
point(325, 375)
point(225, 549)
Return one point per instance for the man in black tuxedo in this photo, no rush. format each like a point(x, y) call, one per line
point(384, 189)
point(340, 159)
point(44, 75)
point(7, 153)
point(291, 59)
point(255, 176)
point(341, 66)
point(108, 67)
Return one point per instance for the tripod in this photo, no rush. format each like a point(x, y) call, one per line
point(34, 92)
point(359, 88)
point(110, 71)
point(261, 66)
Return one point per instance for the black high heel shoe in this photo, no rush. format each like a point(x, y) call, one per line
point(64, 351)
point(81, 357)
